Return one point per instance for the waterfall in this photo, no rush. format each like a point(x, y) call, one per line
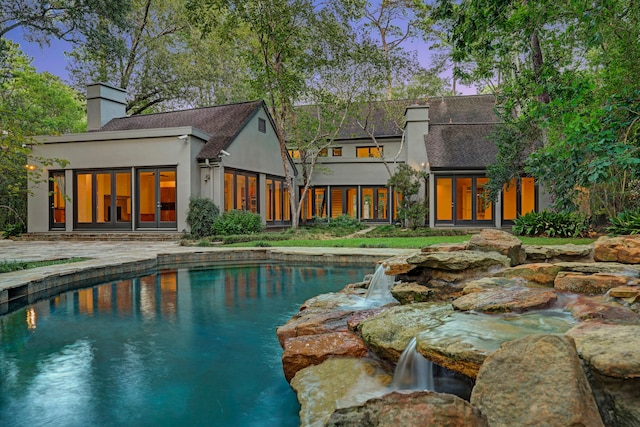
point(379, 291)
point(413, 371)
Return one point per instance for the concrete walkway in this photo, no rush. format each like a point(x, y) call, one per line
point(108, 258)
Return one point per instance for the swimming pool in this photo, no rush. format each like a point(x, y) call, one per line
point(177, 347)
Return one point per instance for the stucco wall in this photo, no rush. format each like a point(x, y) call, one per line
point(119, 152)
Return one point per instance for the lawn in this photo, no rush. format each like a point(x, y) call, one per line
point(398, 242)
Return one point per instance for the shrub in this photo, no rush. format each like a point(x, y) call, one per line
point(338, 226)
point(627, 222)
point(201, 216)
point(551, 224)
point(13, 230)
point(237, 222)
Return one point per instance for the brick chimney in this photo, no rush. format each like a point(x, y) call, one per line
point(104, 103)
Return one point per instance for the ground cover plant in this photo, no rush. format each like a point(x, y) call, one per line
point(8, 266)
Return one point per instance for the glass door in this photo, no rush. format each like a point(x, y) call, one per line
point(374, 204)
point(156, 190)
point(57, 202)
point(461, 200)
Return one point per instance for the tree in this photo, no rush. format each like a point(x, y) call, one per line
point(162, 61)
point(30, 104)
point(75, 21)
point(406, 182)
point(562, 76)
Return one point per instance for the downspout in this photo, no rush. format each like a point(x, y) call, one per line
point(210, 183)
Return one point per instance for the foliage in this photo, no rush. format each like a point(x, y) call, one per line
point(201, 215)
point(551, 224)
point(406, 182)
point(237, 222)
point(626, 222)
point(42, 20)
point(7, 266)
point(162, 61)
point(339, 226)
point(31, 104)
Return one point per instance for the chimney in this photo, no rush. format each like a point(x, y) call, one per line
point(415, 128)
point(104, 103)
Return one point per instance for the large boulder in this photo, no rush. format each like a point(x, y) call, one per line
point(397, 265)
point(462, 341)
point(494, 240)
point(624, 249)
point(517, 299)
point(336, 383)
point(388, 333)
point(597, 307)
point(459, 261)
point(597, 283)
point(611, 350)
point(415, 409)
point(536, 380)
point(540, 273)
point(313, 322)
point(408, 293)
point(555, 253)
point(304, 351)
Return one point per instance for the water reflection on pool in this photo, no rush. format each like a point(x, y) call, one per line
point(182, 347)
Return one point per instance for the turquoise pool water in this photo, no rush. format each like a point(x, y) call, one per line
point(184, 347)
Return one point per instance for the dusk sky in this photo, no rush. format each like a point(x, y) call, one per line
point(52, 58)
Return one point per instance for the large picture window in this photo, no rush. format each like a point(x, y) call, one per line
point(278, 202)
point(461, 200)
point(518, 198)
point(240, 191)
point(103, 199)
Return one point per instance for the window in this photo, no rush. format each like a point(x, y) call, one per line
point(262, 125)
point(315, 203)
point(461, 200)
point(336, 151)
point(57, 202)
point(323, 153)
point(295, 154)
point(240, 191)
point(370, 151)
point(518, 201)
point(103, 198)
point(278, 208)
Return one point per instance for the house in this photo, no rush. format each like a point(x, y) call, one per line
point(138, 173)
point(448, 137)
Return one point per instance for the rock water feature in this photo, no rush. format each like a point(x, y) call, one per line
point(379, 289)
point(549, 340)
point(413, 371)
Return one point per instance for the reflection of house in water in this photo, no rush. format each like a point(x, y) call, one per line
point(150, 296)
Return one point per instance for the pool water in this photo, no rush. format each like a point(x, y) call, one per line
point(189, 347)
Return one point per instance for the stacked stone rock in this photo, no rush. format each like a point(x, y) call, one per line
point(338, 359)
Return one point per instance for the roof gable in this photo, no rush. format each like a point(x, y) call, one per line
point(222, 122)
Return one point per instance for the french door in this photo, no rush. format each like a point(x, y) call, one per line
point(374, 204)
point(156, 198)
point(57, 201)
point(460, 200)
point(102, 199)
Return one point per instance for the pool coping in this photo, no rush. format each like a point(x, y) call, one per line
point(24, 287)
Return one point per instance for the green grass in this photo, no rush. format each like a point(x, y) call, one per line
point(397, 242)
point(9, 266)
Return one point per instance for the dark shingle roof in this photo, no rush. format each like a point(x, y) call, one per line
point(378, 116)
point(460, 146)
point(222, 122)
